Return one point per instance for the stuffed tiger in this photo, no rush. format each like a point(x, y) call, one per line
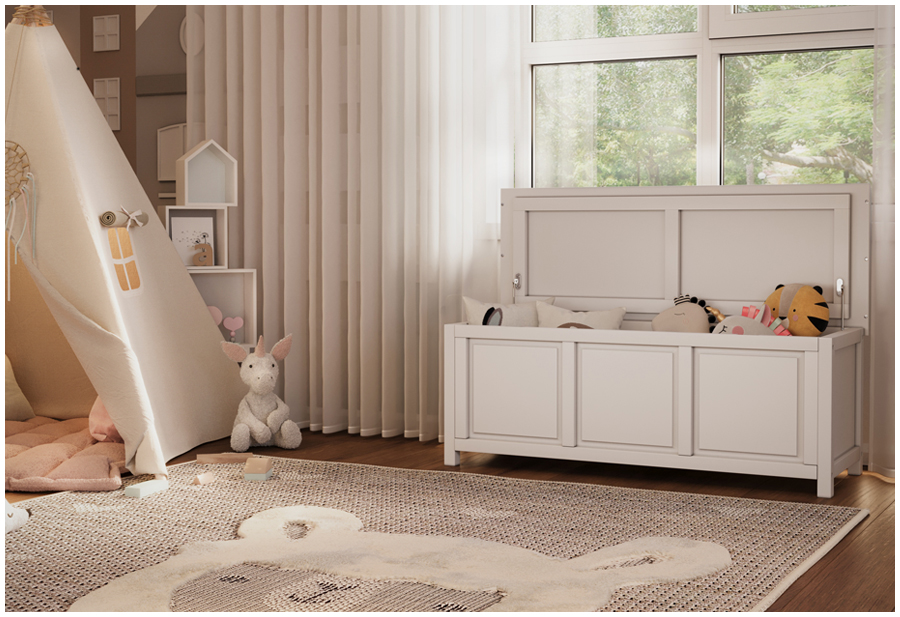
point(802, 307)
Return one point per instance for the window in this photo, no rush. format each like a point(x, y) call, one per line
point(799, 117)
point(124, 261)
point(106, 33)
point(770, 19)
point(615, 123)
point(647, 95)
point(106, 93)
point(561, 23)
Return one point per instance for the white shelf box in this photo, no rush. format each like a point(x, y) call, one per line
point(184, 224)
point(233, 292)
point(206, 175)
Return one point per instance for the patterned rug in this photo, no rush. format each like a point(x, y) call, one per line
point(322, 536)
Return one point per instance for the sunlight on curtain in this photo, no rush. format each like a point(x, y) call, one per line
point(373, 143)
point(882, 426)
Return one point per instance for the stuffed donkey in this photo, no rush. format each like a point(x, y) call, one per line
point(262, 418)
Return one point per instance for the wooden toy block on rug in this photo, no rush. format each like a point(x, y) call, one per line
point(142, 489)
point(204, 478)
point(258, 469)
point(223, 458)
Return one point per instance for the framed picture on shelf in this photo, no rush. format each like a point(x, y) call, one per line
point(193, 232)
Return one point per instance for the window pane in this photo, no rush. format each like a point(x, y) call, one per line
point(566, 23)
point(764, 8)
point(798, 118)
point(615, 123)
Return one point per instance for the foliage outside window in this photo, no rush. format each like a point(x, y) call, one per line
point(615, 123)
point(563, 23)
point(799, 118)
point(765, 8)
point(801, 114)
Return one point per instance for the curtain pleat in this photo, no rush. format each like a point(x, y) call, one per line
point(372, 143)
point(882, 422)
point(296, 214)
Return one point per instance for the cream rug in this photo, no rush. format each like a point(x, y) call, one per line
point(322, 536)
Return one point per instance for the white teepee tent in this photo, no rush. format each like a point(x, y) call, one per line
point(121, 296)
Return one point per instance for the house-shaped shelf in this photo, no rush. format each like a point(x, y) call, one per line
point(206, 175)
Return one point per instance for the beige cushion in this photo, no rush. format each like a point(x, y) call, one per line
point(553, 316)
point(17, 406)
point(523, 315)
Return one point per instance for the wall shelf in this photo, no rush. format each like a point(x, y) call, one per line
point(219, 239)
point(234, 293)
point(206, 175)
point(205, 188)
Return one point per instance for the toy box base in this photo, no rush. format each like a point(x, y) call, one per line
point(778, 406)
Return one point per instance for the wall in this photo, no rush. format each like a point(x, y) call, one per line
point(161, 92)
point(121, 64)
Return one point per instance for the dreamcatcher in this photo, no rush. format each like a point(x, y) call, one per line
point(20, 191)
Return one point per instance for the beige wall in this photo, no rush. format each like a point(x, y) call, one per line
point(121, 64)
point(159, 55)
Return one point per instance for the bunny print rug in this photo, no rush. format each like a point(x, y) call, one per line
point(321, 535)
point(521, 579)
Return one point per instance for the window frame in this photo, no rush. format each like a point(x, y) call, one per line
point(710, 88)
point(724, 22)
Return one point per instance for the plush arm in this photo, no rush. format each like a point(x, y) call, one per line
point(278, 416)
point(258, 429)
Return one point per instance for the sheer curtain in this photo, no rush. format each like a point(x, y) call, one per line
point(373, 142)
point(881, 427)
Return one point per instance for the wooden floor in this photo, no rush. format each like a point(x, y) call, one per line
point(857, 575)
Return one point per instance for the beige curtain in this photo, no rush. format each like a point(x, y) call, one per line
point(373, 143)
point(881, 421)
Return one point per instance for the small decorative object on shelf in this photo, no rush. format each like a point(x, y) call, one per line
point(216, 314)
point(190, 230)
point(233, 324)
point(204, 255)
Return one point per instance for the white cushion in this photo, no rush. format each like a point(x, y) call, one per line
point(524, 314)
point(553, 316)
point(17, 406)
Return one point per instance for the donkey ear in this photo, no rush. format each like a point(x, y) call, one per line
point(234, 351)
point(282, 348)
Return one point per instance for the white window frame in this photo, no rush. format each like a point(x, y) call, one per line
point(725, 22)
point(708, 51)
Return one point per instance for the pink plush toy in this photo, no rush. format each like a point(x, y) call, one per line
point(262, 418)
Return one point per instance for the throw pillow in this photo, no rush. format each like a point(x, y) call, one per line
point(553, 316)
point(17, 406)
point(523, 315)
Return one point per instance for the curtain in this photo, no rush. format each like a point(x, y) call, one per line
point(373, 142)
point(881, 421)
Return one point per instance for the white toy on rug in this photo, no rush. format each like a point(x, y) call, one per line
point(263, 419)
point(15, 517)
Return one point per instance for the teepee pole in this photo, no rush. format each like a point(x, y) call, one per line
point(34, 15)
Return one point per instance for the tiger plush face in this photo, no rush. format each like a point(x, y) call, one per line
point(802, 307)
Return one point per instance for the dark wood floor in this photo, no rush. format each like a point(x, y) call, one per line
point(857, 575)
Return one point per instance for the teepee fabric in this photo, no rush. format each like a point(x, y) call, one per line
point(123, 299)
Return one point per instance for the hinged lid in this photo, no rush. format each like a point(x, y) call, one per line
point(596, 249)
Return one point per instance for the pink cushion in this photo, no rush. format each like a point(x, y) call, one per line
point(45, 455)
point(29, 439)
point(101, 425)
point(13, 450)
